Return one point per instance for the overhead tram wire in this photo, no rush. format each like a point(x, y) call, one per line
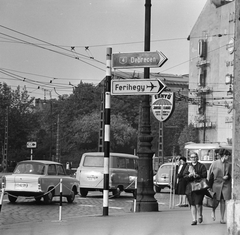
point(45, 42)
point(25, 42)
point(138, 42)
point(30, 81)
point(59, 47)
point(58, 52)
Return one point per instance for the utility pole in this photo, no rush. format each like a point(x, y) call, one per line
point(101, 128)
point(160, 143)
point(233, 205)
point(57, 142)
point(145, 195)
point(5, 158)
point(51, 127)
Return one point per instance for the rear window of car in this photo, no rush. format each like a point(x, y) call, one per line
point(165, 168)
point(29, 168)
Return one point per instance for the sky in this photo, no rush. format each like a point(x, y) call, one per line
point(49, 46)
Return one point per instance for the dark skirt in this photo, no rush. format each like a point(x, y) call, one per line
point(194, 198)
point(181, 187)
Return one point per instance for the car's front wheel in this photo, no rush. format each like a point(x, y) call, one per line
point(12, 199)
point(116, 192)
point(38, 199)
point(83, 192)
point(71, 197)
point(157, 189)
point(48, 197)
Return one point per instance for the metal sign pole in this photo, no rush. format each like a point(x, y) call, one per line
point(107, 132)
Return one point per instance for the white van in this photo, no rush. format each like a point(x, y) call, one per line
point(207, 152)
point(122, 173)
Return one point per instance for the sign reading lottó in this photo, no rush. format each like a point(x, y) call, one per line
point(136, 86)
point(138, 59)
point(163, 105)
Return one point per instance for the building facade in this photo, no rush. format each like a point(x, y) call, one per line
point(211, 72)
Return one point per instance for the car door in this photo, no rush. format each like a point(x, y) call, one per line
point(53, 179)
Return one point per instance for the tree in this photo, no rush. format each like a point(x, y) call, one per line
point(22, 120)
point(188, 134)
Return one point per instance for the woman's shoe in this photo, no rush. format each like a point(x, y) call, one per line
point(222, 222)
point(200, 219)
point(194, 222)
point(213, 216)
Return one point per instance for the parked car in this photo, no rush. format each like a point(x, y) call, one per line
point(122, 173)
point(39, 179)
point(165, 177)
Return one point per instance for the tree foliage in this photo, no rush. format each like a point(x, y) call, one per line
point(70, 125)
point(188, 134)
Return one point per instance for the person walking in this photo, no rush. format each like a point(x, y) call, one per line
point(220, 174)
point(181, 182)
point(193, 172)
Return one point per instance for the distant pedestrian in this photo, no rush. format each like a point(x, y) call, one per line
point(195, 171)
point(220, 171)
point(181, 182)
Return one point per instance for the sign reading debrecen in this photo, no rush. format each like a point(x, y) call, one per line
point(138, 59)
point(136, 86)
point(163, 105)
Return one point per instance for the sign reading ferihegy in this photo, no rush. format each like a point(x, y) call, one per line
point(163, 105)
point(136, 86)
point(138, 59)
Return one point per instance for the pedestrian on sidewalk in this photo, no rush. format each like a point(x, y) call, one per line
point(220, 172)
point(193, 172)
point(181, 182)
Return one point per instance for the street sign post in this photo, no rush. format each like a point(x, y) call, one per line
point(136, 86)
point(138, 59)
point(163, 105)
point(31, 144)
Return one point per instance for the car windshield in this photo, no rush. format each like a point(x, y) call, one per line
point(29, 168)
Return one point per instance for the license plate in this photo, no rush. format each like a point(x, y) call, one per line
point(21, 185)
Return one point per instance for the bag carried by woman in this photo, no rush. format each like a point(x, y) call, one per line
point(198, 185)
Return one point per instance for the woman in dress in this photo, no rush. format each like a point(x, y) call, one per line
point(220, 173)
point(195, 171)
point(181, 182)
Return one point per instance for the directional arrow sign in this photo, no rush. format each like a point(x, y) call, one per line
point(138, 59)
point(136, 86)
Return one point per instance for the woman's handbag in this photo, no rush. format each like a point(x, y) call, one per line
point(210, 202)
point(198, 185)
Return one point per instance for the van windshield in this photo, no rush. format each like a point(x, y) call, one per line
point(93, 161)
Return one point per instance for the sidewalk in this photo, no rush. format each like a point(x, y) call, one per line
point(165, 222)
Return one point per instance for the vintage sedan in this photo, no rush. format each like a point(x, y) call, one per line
point(39, 179)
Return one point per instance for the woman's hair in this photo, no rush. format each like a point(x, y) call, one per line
point(224, 152)
point(194, 154)
point(183, 158)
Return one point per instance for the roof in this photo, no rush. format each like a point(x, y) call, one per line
point(111, 154)
point(207, 146)
point(41, 161)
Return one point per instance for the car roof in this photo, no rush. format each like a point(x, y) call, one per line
point(40, 161)
point(168, 164)
point(111, 154)
point(206, 146)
